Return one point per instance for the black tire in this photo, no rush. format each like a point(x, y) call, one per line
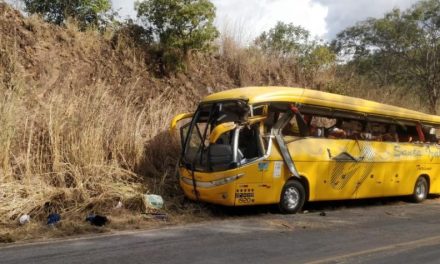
point(293, 196)
point(421, 190)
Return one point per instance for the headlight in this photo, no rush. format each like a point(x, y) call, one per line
point(211, 184)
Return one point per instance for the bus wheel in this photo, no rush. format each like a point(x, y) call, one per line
point(420, 190)
point(292, 197)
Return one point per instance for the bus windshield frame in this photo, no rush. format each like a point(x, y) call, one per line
point(198, 154)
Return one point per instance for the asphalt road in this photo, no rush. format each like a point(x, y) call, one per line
point(396, 233)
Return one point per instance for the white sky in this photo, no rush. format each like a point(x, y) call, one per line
point(246, 19)
point(324, 18)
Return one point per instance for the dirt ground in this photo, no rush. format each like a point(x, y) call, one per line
point(124, 220)
point(373, 231)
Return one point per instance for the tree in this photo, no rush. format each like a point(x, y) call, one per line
point(401, 48)
point(185, 25)
point(285, 40)
point(320, 58)
point(292, 42)
point(86, 12)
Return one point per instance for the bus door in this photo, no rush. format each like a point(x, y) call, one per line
point(256, 186)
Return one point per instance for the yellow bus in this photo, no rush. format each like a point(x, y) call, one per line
point(288, 146)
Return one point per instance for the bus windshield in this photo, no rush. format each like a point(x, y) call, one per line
point(202, 155)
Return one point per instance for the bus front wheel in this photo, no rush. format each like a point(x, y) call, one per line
point(420, 190)
point(292, 197)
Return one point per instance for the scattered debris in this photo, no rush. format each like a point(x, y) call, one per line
point(305, 211)
point(119, 205)
point(287, 226)
point(322, 214)
point(157, 216)
point(53, 218)
point(97, 220)
point(153, 201)
point(24, 219)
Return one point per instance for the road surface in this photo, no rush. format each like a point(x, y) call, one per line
point(397, 233)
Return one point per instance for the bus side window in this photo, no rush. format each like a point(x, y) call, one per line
point(353, 129)
point(437, 135)
point(377, 131)
point(319, 125)
point(291, 128)
point(391, 135)
point(430, 134)
point(336, 131)
point(249, 142)
point(407, 133)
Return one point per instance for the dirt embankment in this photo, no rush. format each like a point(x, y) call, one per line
point(83, 119)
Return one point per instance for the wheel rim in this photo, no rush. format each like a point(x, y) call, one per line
point(420, 190)
point(291, 198)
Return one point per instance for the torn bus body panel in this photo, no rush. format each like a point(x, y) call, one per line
point(284, 151)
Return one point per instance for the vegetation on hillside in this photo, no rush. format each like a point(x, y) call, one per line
point(180, 27)
point(88, 13)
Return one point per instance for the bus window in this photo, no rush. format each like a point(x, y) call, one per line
point(352, 128)
point(291, 129)
point(259, 110)
point(336, 131)
point(377, 130)
point(383, 132)
point(407, 133)
point(198, 153)
point(249, 144)
point(430, 134)
point(391, 135)
point(319, 124)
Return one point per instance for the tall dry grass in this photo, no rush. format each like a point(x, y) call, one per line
point(76, 151)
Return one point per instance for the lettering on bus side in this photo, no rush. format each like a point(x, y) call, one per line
point(399, 152)
point(423, 168)
point(433, 153)
point(416, 152)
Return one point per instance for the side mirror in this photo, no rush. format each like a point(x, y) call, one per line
point(220, 130)
point(177, 119)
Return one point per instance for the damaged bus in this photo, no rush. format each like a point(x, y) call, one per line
point(288, 146)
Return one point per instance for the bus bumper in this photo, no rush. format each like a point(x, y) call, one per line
point(222, 195)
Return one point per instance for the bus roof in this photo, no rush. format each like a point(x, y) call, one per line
point(255, 95)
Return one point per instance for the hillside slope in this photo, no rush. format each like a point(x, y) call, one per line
point(83, 117)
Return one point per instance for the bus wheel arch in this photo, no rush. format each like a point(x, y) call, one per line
point(421, 188)
point(303, 180)
point(293, 195)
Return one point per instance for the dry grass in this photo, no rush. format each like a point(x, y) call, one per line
point(72, 153)
point(249, 66)
point(73, 140)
